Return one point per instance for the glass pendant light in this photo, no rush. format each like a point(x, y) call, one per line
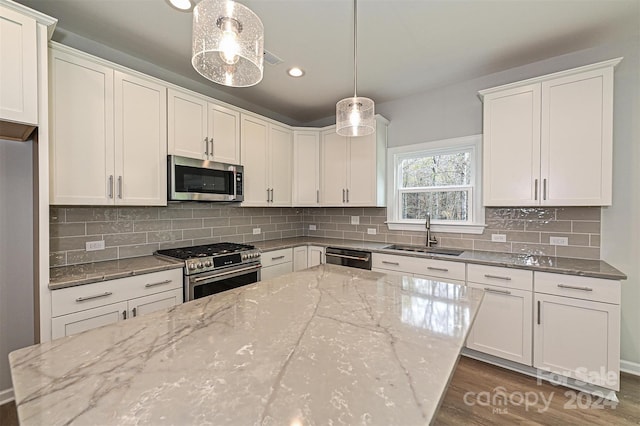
point(228, 43)
point(355, 116)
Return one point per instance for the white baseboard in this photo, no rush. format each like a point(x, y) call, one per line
point(6, 396)
point(630, 367)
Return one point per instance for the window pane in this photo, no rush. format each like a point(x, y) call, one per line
point(436, 170)
point(445, 205)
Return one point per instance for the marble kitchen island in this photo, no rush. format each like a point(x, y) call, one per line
point(324, 345)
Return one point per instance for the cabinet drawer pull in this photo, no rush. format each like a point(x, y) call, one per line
point(497, 277)
point(575, 287)
point(391, 263)
point(97, 296)
point(124, 314)
point(277, 258)
point(491, 290)
point(135, 312)
point(158, 283)
point(433, 268)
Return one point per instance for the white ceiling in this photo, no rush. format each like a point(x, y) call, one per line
point(404, 46)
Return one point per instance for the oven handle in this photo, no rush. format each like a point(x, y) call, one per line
point(364, 259)
point(235, 271)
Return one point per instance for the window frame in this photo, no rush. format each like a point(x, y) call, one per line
point(473, 144)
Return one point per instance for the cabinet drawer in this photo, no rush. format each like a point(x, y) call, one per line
point(443, 269)
point(80, 298)
point(276, 257)
point(501, 277)
point(421, 266)
point(587, 288)
point(404, 264)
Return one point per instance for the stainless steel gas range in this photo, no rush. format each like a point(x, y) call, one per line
point(214, 268)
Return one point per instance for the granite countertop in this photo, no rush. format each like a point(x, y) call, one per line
point(69, 276)
point(325, 345)
point(558, 265)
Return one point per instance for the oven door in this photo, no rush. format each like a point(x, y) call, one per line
point(201, 180)
point(206, 284)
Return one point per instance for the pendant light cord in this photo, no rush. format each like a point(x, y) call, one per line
point(355, 48)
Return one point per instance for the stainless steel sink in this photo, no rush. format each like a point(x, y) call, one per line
point(429, 250)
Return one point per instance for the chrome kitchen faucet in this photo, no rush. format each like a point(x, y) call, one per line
point(430, 239)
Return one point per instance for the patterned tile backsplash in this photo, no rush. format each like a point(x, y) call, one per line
point(137, 231)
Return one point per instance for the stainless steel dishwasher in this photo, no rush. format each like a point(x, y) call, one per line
point(347, 257)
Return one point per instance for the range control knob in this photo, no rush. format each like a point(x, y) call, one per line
point(208, 264)
point(192, 266)
point(200, 266)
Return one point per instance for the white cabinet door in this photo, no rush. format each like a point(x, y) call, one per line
point(187, 125)
point(578, 338)
point(576, 140)
point(361, 179)
point(18, 68)
point(315, 256)
point(306, 168)
point(299, 258)
point(78, 322)
point(255, 136)
point(224, 134)
point(280, 165)
point(334, 154)
point(140, 141)
point(512, 147)
point(154, 302)
point(503, 325)
point(82, 131)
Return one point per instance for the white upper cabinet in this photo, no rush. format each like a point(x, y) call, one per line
point(267, 157)
point(18, 67)
point(201, 129)
point(108, 134)
point(306, 168)
point(548, 141)
point(352, 169)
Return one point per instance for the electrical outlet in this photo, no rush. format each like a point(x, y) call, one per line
point(499, 238)
point(256, 231)
point(372, 231)
point(355, 220)
point(559, 241)
point(312, 227)
point(94, 245)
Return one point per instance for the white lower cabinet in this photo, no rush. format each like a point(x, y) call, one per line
point(276, 263)
point(503, 325)
point(577, 328)
point(432, 269)
point(81, 308)
point(300, 261)
point(315, 256)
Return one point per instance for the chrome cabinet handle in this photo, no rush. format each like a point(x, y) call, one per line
point(497, 277)
point(535, 191)
point(212, 154)
point(110, 186)
point(272, 195)
point(317, 196)
point(433, 268)
point(277, 258)
point(124, 314)
point(344, 256)
point(491, 290)
point(538, 312)
point(268, 195)
point(97, 296)
point(386, 262)
point(343, 195)
point(570, 287)
point(158, 283)
point(347, 195)
point(206, 146)
point(135, 312)
point(120, 187)
point(544, 189)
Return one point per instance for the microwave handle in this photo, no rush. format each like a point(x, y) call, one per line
point(235, 182)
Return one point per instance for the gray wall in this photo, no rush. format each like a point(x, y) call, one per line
point(456, 111)
point(16, 252)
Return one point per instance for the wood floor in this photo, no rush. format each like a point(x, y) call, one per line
point(482, 394)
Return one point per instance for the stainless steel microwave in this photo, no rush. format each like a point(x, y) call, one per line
point(190, 179)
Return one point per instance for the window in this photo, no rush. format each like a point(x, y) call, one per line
point(440, 178)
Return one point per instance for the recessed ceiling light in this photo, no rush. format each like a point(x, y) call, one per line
point(182, 5)
point(295, 72)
